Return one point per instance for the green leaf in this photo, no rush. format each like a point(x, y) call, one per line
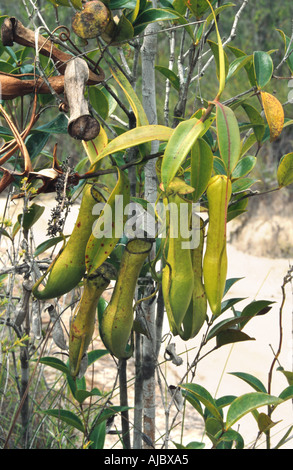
point(110, 411)
point(99, 101)
point(216, 50)
point(198, 7)
point(135, 137)
point(285, 170)
point(229, 336)
point(230, 282)
point(47, 244)
point(150, 16)
point(287, 393)
point(56, 126)
point(247, 403)
point(228, 136)
point(256, 120)
point(201, 167)
point(67, 417)
point(178, 146)
point(36, 142)
point(254, 382)
point(191, 445)
point(81, 395)
point(5, 233)
point(226, 304)
point(201, 394)
point(97, 436)
point(231, 436)
point(257, 307)
point(244, 166)
point(237, 65)
point(223, 325)
point(263, 68)
point(31, 216)
point(242, 184)
point(96, 354)
point(124, 30)
point(170, 75)
point(248, 66)
point(55, 363)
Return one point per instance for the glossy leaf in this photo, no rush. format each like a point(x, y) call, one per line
point(248, 403)
point(274, 114)
point(232, 437)
point(136, 136)
point(55, 363)
point(242, 184)
point(201, 394)
point(170, 75)
point(31, 216)
point(47, 244)
point(263, 68)
point(124, 30)
point(287, 393)
point(254, 382)
point(216, 50)
point(228, 136)
point(218, 10)
point(201, 167)
point(152, 15)
point(231, 335)
point(237, 65)
point(178, 146)
point(248, 66)
point(244, 166)
point(285, 170)
point(256, 307)
point(191, 445)
point(67, 417)
point(256, 120)
point(96, 354)
point(136, 106)
point(97, 436)
point(198, 7)
point(99, 101)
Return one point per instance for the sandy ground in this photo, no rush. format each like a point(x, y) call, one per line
point(262, 279)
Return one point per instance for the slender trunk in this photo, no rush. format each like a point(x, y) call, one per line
point(149, 51)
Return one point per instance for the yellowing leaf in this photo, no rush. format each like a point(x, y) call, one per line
point(285, 170)
point(94, 147)
point(274, 114)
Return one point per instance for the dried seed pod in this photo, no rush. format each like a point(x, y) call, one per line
point(94, 20)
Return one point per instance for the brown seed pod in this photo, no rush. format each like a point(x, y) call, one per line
point(93, 20)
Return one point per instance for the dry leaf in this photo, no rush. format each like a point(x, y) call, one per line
point(274, 114)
